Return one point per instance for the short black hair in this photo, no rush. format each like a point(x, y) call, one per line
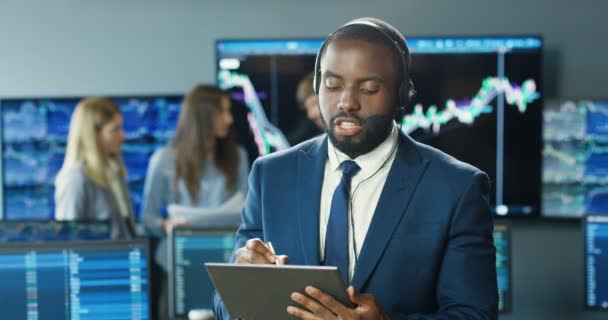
point(358, 30)
point(366, 29)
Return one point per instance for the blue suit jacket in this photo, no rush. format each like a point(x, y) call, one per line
point(428, 253)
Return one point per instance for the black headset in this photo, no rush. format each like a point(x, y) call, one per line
point(406, 88)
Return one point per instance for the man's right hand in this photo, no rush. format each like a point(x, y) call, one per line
point(256, 251)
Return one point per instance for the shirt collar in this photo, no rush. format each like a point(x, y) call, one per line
point(369, 162)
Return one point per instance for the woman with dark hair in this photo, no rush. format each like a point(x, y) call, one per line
point(203, 166)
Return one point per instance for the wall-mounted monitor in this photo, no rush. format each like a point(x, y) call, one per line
point(478, 99)
point(596, 262)
point(575, 158)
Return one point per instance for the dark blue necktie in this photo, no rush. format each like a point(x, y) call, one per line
point(336, 237)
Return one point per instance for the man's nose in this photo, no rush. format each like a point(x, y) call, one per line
point(348, 100)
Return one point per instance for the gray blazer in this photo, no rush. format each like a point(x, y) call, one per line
point(77, 197)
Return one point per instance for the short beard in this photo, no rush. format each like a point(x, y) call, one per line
point(378, 127)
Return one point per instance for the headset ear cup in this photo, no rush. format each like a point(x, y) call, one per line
point(411, 92)
point(406, 93)
point(402, 94)
point(316, 80)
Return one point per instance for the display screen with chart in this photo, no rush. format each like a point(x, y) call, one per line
point(478, 98)
point(575, 158)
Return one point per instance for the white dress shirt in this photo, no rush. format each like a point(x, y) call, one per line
point(365, 190)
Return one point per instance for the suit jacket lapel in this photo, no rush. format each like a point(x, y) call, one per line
point(311, 167)
point(406, 170)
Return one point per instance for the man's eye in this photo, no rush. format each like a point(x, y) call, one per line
point(369, 90)
point(332, 84)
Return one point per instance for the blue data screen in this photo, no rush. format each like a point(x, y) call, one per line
point(74, 283)
point(192, 285)
point(503, 263)
point(596, 251)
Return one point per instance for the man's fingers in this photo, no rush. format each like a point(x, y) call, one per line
point(301, 313)
point(243, 256)
point(359, 298)
point(258, 246)
point(253, 253)
point(327, 301)
point(315, 308)
point(352, 294)
point(256, 251)
point(283, 259)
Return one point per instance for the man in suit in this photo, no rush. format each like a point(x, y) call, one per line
point(408, 226)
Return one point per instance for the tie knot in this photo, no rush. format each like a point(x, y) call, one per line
point(349, 168)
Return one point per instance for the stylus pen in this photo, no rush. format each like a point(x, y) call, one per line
point(276, 261)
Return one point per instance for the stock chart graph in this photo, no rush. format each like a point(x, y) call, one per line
point(468, 111)
point(267, 136)
point(478, 99)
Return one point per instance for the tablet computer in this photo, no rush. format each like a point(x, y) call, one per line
point(262, 291)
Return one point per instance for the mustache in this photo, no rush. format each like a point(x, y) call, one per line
point(371, 121)
point(346, 115)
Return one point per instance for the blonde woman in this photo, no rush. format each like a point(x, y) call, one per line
point(91, 183)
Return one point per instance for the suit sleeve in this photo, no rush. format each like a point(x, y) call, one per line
point(156, 189)
point(250, 228)
point(467, 287)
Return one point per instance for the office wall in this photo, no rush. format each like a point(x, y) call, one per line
point(122, 47)
point(51, 48)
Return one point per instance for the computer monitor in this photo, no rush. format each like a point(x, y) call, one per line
point(34, 137)
point(502, 243)
point(190, 288)
point(575, 158)
point(267, 72)
point(596, 262)
point(43, 231)
point(75, 280)
point(478, 99)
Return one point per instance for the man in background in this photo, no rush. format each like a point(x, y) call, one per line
point(312, 125)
